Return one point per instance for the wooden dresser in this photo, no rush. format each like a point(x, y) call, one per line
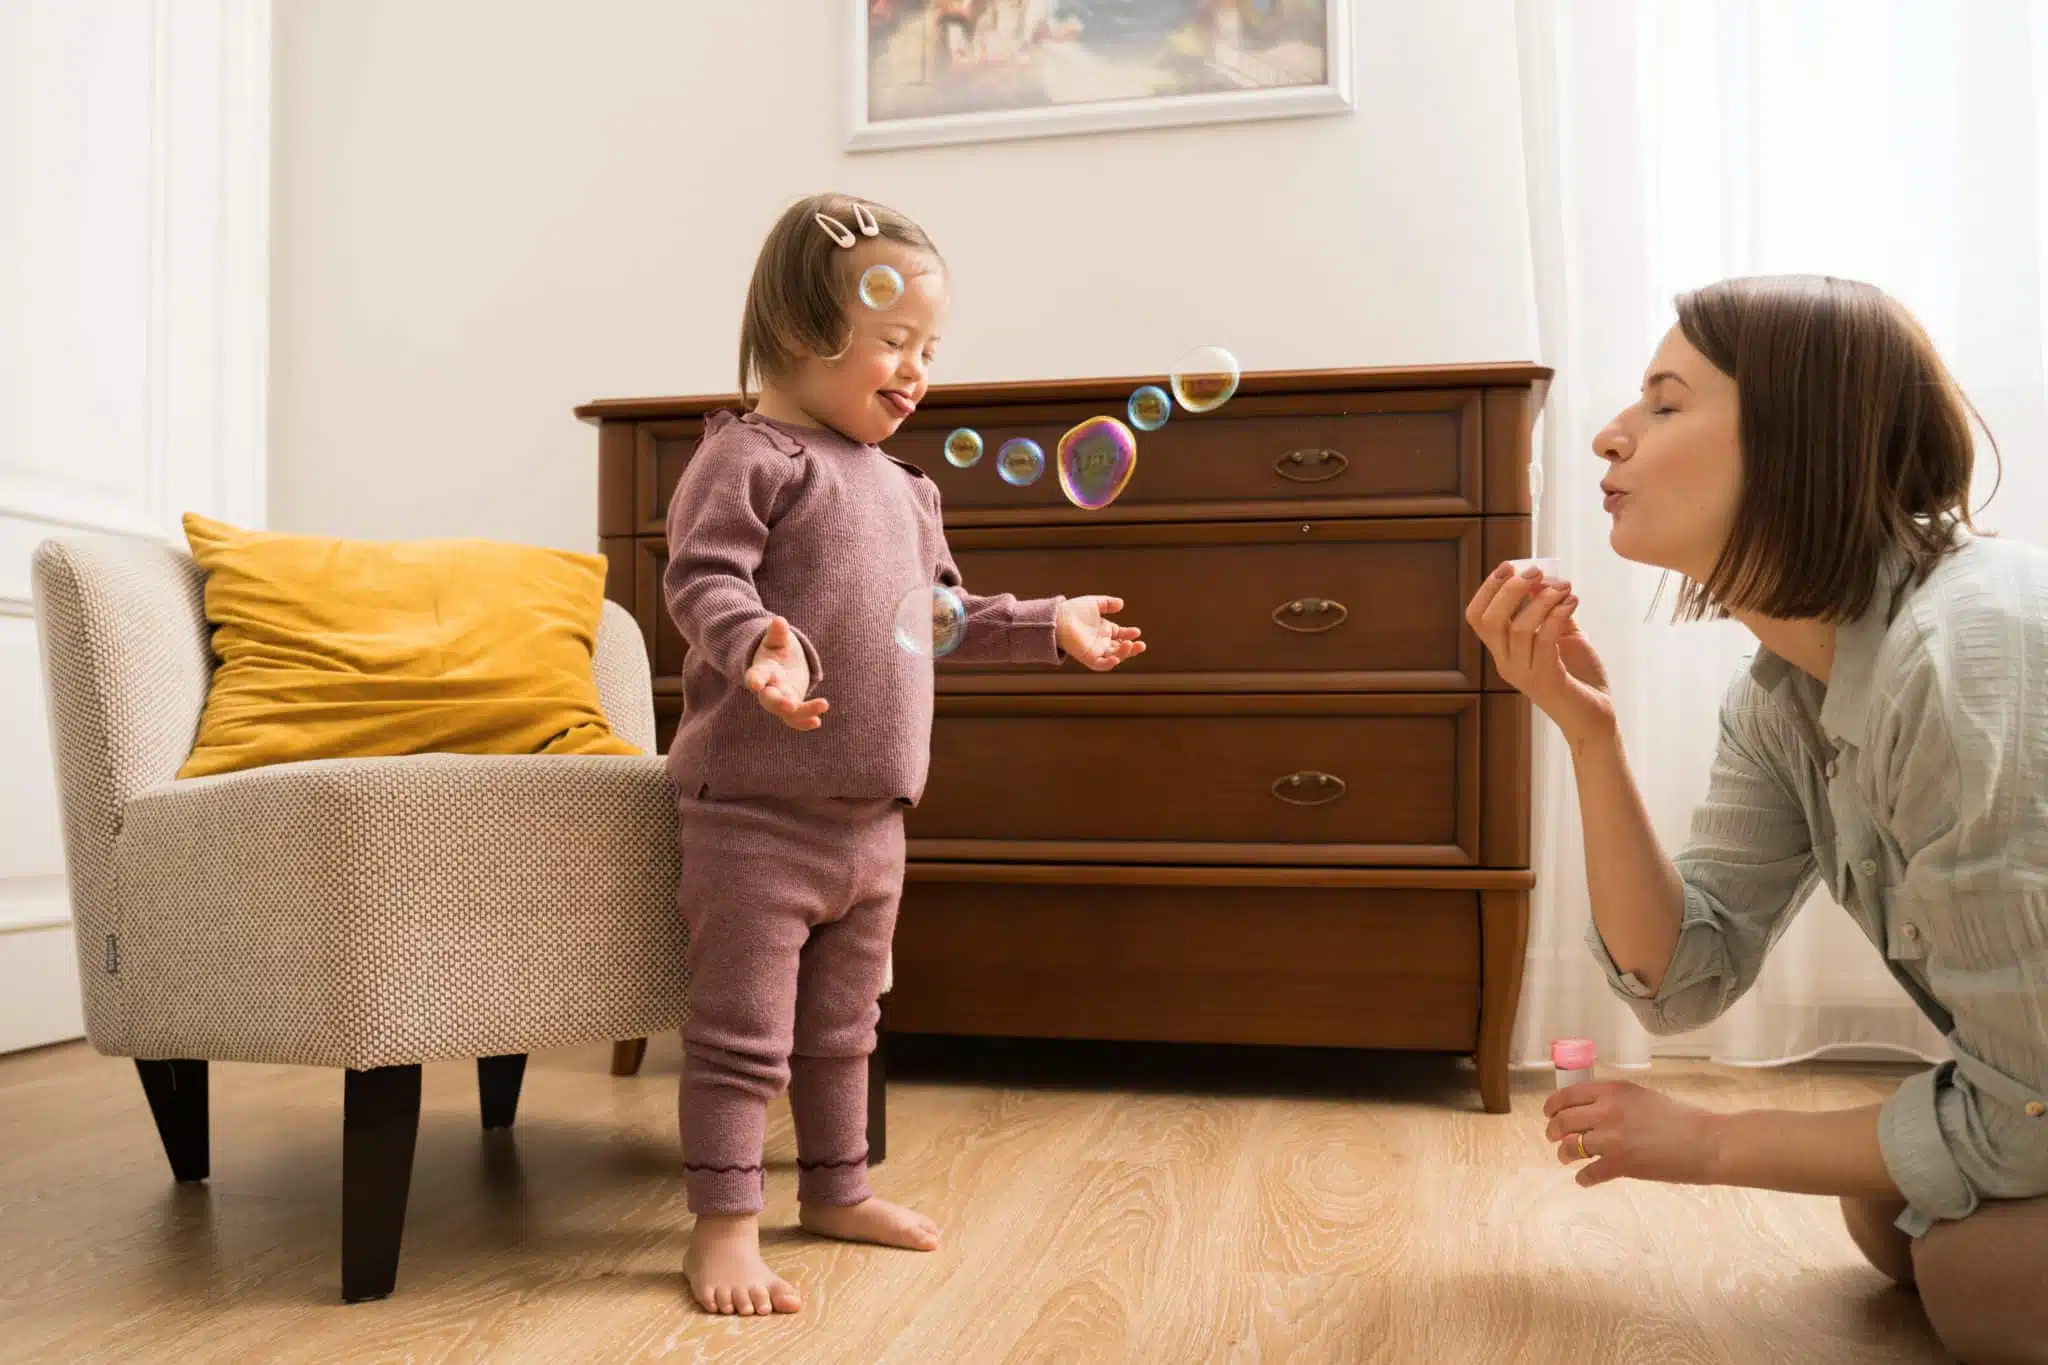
point(1302, 817)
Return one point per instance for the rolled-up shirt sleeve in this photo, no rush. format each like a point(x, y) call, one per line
point(1746, 868)
point(1971, 819)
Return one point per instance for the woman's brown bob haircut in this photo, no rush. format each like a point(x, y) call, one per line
point(804, 281)
point(1855, 445)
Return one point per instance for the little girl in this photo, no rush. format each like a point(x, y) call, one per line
point(792, 539)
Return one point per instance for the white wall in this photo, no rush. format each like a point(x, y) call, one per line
point(488, 211)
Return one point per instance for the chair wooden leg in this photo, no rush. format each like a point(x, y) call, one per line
point(878, 1101)
point(497, 1085)
point(177, 1099)
point(380, 1120)
point(626, 1055)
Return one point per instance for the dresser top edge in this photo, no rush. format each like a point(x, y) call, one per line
point(1261, 382)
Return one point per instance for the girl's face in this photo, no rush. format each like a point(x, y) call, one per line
point(867, 392)
point(1674, 464)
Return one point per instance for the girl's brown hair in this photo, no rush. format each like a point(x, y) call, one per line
point(803, 281)
point(1855, 445)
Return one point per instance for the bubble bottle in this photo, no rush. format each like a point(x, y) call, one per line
point(1573, 1058)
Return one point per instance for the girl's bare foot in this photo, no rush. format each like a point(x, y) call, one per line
point(726, 1272)
point(872, 1220)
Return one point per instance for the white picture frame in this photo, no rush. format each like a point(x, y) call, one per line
point(996, 122)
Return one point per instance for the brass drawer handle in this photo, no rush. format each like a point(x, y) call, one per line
point(1310, 615)
point(1308, 788)
point(1311, 466)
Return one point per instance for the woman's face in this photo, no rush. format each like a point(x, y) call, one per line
point(1674, 464)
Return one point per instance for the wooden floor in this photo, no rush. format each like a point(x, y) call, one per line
point(1125, 1205)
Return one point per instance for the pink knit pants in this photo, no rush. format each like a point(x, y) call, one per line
point(791, 905)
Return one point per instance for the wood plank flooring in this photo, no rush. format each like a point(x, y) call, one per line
point(1112, 1204)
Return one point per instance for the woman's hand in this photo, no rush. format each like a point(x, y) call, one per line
point(1086, 633)
point(1528, 627)
point(1633, 1132)
point(780, 676)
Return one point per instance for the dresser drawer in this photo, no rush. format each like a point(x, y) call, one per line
point(660, 451)
point(1321, 780)
point(1302, 965)
point(1383, 454)
point(1329, 606)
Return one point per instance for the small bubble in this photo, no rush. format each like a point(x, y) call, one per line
point(1149, 408)
point(931, 621)
point(880, 286)
point(1021, 462)
point(1205, 378)
point(963, 447)
point(1096, 459)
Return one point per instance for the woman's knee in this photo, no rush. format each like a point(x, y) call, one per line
point(1872, 1226)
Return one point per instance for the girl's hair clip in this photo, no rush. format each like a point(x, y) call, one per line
point(841, 233)
point(836, 230)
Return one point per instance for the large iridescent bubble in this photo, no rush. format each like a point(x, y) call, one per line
point(1096, 459)
point(1149, 408)
point(1021, 461)
point(931, 621)
point(1205, 378)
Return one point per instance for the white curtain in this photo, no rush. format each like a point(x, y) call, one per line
point(1671, 144)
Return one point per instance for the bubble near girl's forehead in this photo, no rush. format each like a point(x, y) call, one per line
point(1149, 408)
point(880, 286)
point(1096, 460)
point(1205, 378)
point(1021, 462)
point(931, 621)
point(963, 447)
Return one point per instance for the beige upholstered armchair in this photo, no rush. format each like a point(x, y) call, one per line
point(366, 914)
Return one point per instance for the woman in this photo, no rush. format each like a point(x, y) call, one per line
point(1802, 457)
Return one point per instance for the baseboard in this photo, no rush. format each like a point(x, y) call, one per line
point(39, 999)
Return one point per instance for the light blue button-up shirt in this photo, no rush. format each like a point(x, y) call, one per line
point(1915, 784)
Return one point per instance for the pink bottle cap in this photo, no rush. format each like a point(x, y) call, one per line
point(1573, 1054)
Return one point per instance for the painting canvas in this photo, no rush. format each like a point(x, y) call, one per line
point(970, 70)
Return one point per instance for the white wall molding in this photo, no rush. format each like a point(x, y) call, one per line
point(180, 96)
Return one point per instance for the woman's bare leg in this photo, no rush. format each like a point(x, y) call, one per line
point(1984, 1283)
point(1882, 1244)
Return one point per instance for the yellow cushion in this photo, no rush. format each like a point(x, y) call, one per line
point(356, 649)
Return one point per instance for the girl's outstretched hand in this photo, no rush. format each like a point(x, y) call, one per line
point(1086, 633)
point(780, 676)
point(1527, 625)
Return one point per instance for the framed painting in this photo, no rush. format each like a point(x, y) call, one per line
point(939, 71)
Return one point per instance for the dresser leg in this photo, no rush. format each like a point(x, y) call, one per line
point(1503, 943)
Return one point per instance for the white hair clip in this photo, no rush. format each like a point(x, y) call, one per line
point(836, 230)
point(841, 233)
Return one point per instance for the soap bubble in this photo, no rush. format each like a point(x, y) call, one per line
point(1096, 460)
point(1205, 378)
point(963, 447)
point(880, 286)
point(1149, 408)
point(931, 621)
point(1021, 461)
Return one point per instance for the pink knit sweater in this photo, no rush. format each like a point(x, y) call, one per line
point(773, 519)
